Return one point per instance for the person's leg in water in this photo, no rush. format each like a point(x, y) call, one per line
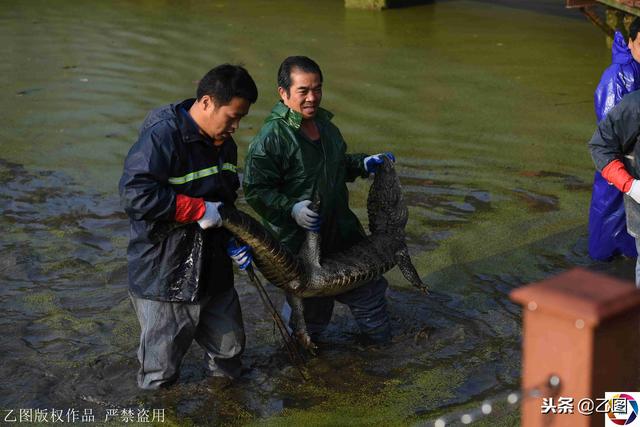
point(368, 304)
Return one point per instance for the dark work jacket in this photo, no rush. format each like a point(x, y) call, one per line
point(616, 138)
point(169, 261)
point(283, 167)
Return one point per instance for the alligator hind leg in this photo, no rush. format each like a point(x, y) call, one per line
point(298, 324)
point(408, 270)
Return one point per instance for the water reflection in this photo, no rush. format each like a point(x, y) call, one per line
point(72, 335)
point(483, 105)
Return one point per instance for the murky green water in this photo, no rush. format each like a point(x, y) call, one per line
point(487, 106)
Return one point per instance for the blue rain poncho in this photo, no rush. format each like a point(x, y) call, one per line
point(607, 222)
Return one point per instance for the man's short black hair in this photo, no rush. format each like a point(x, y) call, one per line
point(634, 28)
point(302, 63)
point(225, 82)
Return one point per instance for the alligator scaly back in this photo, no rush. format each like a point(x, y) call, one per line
point(309, 273)
point(371, 257)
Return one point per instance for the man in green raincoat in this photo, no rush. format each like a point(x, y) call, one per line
point(300, 153)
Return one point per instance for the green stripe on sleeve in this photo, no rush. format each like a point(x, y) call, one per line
point(202, 173)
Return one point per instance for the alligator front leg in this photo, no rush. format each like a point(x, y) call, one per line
point(299, 325)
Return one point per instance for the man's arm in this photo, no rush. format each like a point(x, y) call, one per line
point(263, 169)
point(360, 164)
point(144, 189)
point(355, 166)
point(615, 136)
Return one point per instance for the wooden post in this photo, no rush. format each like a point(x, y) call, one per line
point(382, 4)
point(365, 4)
point(585, 328)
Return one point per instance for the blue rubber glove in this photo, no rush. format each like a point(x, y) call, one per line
point(240, 254)
point(371, 163)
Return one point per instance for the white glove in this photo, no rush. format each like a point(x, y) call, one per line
point(634, 191)
point(211, 217)
point(305, 217)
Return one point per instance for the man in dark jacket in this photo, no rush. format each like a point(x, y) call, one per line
point(616, 153)
point(607, 229)
point(178, 173)
point(298, 154)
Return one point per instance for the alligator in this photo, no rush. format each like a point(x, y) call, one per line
point(309, 274)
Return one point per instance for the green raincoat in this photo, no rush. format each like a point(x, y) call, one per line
point(283, 166)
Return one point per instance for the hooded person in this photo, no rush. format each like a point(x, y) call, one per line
point(608, 234)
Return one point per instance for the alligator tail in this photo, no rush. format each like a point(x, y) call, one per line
point(276, 263)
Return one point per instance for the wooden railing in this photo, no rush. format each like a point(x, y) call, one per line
point(584, 328)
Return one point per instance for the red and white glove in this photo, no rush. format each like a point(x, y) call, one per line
point(617, 175)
